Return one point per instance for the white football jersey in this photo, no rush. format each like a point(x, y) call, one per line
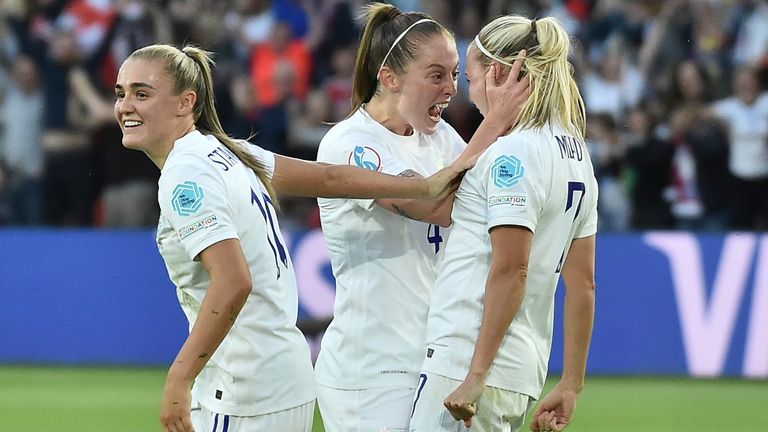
point(385, 264)
point(541, 179)
point(207, 195)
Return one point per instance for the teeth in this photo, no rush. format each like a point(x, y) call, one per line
point(443, 105)
point(131, 123)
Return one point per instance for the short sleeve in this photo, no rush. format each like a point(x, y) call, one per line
point(193, 198)
point(513, 184)
point(265, 156)
point(588, 226)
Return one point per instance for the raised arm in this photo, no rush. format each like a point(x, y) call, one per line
point(506, 96)
point(504, 292)
point(226, 295)
point(556, 409)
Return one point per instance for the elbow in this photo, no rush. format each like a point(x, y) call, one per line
point(440, 216)
point(241, 289)
point(516, 273)
point(330, 182)
point(443, 221)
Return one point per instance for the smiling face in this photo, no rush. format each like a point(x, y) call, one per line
point(150, 115)
point(428, 83)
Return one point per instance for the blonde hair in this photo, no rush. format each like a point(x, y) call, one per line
point(554, 93)
point(384, 24)
point(190, 68)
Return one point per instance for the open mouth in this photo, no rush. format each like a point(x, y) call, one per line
point(436, 110)
point(128, 124)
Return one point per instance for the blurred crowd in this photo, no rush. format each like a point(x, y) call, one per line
point(674, 90)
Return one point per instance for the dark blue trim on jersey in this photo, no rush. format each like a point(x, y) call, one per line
point(418, 392)
point(215, 422)
point(226, 424)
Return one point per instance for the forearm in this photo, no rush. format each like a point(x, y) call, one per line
point(504, 294)
point(579, 319)
point(353, 182)
point(296, 177)
point(218, 312)
point(434, 212)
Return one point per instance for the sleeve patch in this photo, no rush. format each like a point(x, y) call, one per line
point(507, 171)
point(365, 157)
point(187, 198)
point(202, 224)
point(508, 200)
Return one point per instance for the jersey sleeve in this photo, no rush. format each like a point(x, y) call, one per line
point(193, 199)
point(514, 185)
point(265, 156)
point(588, 226)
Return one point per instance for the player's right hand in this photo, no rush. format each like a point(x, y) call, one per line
point(447, 180)
point(176, 407)
point(555, 411)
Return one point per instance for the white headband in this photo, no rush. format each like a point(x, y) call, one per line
point(487, 53)
point(398, 40)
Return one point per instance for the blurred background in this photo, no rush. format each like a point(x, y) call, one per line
point(677, 129)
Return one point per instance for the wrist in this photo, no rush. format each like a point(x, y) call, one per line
point(571, 385)
point(477, 374)
point(496, 126)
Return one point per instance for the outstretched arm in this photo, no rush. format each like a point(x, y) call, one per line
point(297, 177)
point(504, 292)
point(556, 409)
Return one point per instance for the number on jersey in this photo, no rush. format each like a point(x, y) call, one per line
point(573, 187)
point(267, 209)
point(434, 237)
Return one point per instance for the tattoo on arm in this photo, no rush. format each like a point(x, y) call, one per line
point(402, 212)
point(409, 173)
point(202, 355)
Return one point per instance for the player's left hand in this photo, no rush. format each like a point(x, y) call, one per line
point(176, 407)
point(462, 402)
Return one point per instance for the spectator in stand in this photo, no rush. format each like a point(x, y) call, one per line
point(21, 150)
point(607, 151)
point(746, 116)
point(648, 160)
point(267, 58)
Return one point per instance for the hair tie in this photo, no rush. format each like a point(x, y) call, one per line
point(394, 44)
point(394, 13)
point(533, 26)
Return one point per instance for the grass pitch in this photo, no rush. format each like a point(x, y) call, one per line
point(55, 399)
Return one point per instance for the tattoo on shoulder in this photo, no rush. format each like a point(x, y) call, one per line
point(409, 173)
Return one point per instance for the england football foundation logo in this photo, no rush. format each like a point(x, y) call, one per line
point(365, 157)
point(187, 198)
point(507, 171)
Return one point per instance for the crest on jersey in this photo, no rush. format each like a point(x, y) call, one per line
point(507, 171)
point(365, 157)
point(187, 198)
